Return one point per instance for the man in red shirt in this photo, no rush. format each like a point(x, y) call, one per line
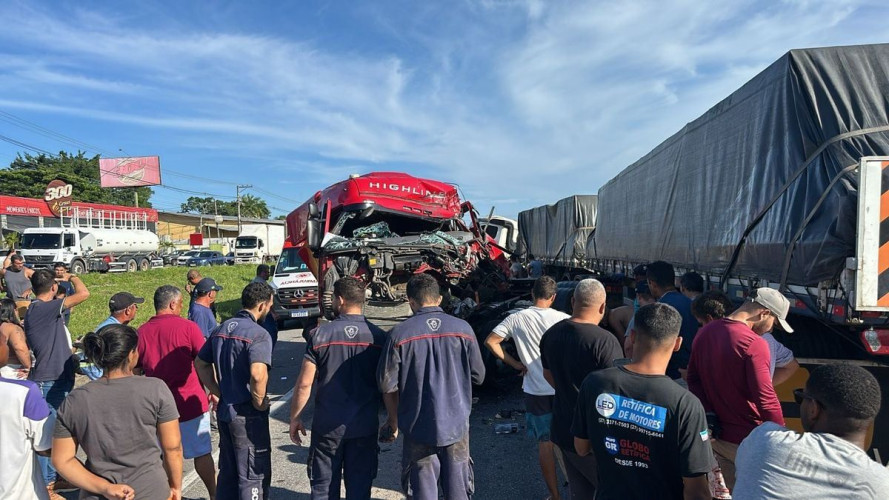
point(168, 345)
point(729, 372)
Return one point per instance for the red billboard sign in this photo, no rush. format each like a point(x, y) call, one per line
point(130, 172)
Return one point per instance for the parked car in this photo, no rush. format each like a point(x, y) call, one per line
point(230, 259)
point(170, 258)
point(185, 257)
point(207, 259)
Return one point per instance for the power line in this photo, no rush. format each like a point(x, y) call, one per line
point(23, 145)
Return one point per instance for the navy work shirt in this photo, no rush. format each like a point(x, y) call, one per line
point(432, 359)
point(687, 331)
point(235, 345)
point(346, 352)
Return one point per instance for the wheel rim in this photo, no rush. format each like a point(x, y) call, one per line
point(131, 266)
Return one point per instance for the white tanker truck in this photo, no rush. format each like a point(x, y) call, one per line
point(117, 242)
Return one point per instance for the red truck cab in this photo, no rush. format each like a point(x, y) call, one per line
point(383, 228)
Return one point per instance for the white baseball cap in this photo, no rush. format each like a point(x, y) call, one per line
point(776, 302)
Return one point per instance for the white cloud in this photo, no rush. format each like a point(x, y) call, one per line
point(519, 102)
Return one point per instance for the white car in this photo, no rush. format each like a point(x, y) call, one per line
point(185, 257)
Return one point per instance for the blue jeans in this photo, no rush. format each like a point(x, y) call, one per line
point(55, 392)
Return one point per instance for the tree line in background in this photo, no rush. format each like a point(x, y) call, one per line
point(27, 176)
point(251, 206)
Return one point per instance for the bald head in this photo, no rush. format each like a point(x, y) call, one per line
point(589, 294)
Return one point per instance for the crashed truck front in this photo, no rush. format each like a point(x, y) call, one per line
point(383, 228)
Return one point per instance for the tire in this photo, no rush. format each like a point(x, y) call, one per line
point(144, 265)
point(132, 266)
point(78, 267)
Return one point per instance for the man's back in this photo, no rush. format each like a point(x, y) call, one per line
point(233, 347)
point(26, 425)
point(203, 316)
point(526, 328)
point(774, 462)
point(688, 331)
point(570, 351)
point(729, 372)
point(168, 345)
point(432, 359)
point(646, 431)
point(46, 335)
point(346, 352)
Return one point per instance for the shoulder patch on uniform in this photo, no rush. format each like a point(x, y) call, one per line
point(231, 326)
point(434, 324)
point(351, 331)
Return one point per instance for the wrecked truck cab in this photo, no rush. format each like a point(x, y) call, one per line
point(385, 227)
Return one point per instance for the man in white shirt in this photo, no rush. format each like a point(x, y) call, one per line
point(26, 425)
point(526, 327)
point(837, 408)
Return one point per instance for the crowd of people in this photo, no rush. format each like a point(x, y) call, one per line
point(672, 397)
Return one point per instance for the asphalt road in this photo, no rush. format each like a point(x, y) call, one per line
point(505, 465)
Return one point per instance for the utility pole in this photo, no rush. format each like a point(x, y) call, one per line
point(239, 188)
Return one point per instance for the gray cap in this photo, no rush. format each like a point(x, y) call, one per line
point(776, 302)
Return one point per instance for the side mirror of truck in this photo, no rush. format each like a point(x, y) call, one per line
point(313, 234)
point(313, 211)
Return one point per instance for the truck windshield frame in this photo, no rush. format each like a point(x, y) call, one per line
point(42, 241)
point(246, 242)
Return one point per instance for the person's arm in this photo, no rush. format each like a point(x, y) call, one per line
point(696, 488)
point(65, 461)
point(390, 428)
point(302, 390)
point(782, 373)
point(28, 272)
point(81, 293)
point(493, 344)
point(759, 382)
point(259, 378)
point(171, 443)
point(582, 446)
point(548, 375)
point(388, 368)
point(4, 349)
point(207, 376)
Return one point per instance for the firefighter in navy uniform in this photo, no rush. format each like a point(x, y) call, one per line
point(429, 363)
point(342, 356)
point(233, 365)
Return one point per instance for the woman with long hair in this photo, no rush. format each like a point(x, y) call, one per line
point(128, 427)
point(19, 363)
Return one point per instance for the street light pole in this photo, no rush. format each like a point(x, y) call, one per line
point(239, 188)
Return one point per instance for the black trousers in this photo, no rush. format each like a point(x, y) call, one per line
point(245, 456)
point(353, 460)
point(424, 467)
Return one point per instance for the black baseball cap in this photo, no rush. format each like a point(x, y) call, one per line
point(122, 300)
point(207, 285)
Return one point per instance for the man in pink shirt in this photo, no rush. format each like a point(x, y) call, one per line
point(168, 345)
point(729, 372)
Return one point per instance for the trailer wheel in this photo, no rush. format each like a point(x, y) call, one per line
point(78, 267)
point(132, 266)
point(144, 265)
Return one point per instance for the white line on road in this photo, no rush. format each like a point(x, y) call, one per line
point(192, 476)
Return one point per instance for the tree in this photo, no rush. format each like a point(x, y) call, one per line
point(28, 176)
point(251, 206)
point(254, 207)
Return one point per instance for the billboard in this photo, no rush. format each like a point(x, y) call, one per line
point(132, 171)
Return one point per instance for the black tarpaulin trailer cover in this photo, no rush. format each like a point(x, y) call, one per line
point(759, 163)
point(557, 234)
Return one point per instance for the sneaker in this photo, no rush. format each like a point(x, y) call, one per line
point(53, 495)
point(61, 485)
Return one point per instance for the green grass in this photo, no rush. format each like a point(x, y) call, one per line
point(86, 316)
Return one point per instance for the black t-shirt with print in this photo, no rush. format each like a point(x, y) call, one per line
point(570, 351)
point(646, 431)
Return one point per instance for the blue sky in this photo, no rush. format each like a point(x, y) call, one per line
point(519, 102)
